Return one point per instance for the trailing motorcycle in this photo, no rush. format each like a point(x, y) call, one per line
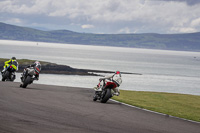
point(28, 76)
point(8, 74)
point(108, 90)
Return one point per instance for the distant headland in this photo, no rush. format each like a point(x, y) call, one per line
point(178, 42)
point(53, 68)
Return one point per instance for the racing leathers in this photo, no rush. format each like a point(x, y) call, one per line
point(115, 77)
point(11, 62)
point(34, 65)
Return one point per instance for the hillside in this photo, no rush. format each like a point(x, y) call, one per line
point(185, 42)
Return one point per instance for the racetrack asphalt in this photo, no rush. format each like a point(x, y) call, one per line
point(59, 109)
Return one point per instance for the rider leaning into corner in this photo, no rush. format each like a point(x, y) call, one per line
point(37, 66)
point(116, 77)
point(12, 62)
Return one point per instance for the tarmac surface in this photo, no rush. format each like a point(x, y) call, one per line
point(58, 109)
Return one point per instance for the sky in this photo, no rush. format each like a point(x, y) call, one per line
point(104, 16)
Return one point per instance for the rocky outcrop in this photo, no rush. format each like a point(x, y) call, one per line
point(52, 68)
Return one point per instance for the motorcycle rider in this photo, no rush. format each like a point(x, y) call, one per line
point(116, 77)
point(37, 66)
point(13, 62)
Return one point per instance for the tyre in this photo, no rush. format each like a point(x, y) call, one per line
point(26, 81)
point(106, 96)
point(5, 75)
point(12, 78)
point(95, 98)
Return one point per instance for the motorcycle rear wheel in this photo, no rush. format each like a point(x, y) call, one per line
point(5, 75)
point(106, 96)
point(12, 77)
point(95, 98)
point(26, 81)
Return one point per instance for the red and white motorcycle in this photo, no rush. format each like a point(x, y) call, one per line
point(108, 89)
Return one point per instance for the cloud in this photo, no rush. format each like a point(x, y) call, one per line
point(189, 2)
point(87, 26)
point(183, 29)
point(124, 30)
point(22, 7)
point(195, 22)
point(107, 16)
point(15, 20)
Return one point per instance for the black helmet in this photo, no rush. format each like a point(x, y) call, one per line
point(13, 58)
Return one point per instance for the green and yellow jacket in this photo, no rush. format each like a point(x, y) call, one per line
point(11, 62)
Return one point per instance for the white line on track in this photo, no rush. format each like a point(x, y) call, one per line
point(155, 112)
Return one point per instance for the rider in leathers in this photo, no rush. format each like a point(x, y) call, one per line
point(12, 62)
point(36, 64)
point(116, 77)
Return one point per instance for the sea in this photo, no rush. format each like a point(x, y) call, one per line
point(153, 70)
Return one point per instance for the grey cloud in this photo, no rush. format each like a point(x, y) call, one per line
point(192, 2)
point(189, 2)
point(108, 16)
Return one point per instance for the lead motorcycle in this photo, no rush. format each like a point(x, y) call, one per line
point(28, 76)
point(108, 89)
point(9, 74)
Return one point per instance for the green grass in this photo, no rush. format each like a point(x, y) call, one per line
point(179, 105)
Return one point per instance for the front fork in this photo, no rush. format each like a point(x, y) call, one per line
point(99, 94)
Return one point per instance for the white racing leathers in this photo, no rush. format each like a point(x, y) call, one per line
point(116, 78)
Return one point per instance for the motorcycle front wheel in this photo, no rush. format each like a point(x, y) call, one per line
point(106, 94)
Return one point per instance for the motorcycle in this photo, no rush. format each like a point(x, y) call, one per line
point(109, 85)
point(27, 76)
point(8, 74)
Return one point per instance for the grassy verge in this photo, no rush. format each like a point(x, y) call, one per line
point(179, 105)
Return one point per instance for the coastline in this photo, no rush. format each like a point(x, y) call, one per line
point(53, 68)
